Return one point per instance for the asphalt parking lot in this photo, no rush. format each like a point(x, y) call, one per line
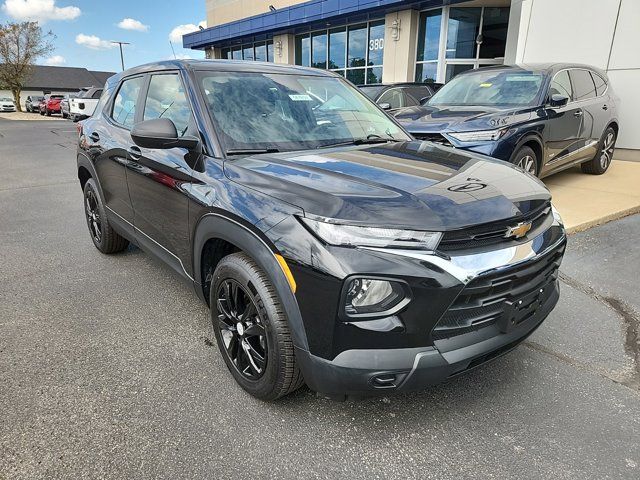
point(107, 368)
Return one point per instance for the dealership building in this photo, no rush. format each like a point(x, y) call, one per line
point(387, 41)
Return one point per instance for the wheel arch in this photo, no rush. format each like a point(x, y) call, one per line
point(534, 142)
point(217, 235)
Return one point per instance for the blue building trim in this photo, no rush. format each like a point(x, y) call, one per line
point(303, 15)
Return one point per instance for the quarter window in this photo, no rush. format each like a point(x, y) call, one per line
point(601, 84)
point(166, 99)
point(561, 85)
point(124, 105)
point(583, 86)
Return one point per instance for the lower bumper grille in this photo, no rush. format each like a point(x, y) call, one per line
point(512, 295)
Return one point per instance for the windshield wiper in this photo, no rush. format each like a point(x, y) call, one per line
point(370, 140)
point(251, 151)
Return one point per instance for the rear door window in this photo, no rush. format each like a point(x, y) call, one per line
point(124, 105)
point(561, 85)
point(394, 97)
point(583, 85)
point(97, 94)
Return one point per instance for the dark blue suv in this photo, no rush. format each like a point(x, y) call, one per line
point(543, 118)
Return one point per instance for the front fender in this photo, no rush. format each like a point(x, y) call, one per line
point(263, 252)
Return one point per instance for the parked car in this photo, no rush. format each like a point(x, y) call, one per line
point(331, 247)
point(32, 104)
point(83, 106)
point(7, 105)
point(543, 118)
point(50, 104)
point(64, 105)
point(398, 95)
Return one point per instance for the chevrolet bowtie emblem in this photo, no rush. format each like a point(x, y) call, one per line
point(518, 231)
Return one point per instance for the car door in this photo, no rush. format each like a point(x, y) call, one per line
point(563, 124)
point(156, 177)
point(109, 137)
point(590, 105)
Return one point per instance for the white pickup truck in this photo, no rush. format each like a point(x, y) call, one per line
point(84, 104)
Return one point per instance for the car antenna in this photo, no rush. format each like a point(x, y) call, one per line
point(174, 52)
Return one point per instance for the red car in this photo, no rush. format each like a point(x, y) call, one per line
point(50, 104)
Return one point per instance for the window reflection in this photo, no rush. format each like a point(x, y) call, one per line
point(464, 27)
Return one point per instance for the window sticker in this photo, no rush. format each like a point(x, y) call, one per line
point(301, 98)
point(486, 85)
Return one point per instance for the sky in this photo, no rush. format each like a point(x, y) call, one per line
point(85, 28)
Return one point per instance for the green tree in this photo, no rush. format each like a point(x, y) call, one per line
point(21, 44)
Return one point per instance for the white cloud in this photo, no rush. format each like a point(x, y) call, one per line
point(55, 60)
point(93, 42)
point(131, 24)
point(39, 10)
point(176, 34)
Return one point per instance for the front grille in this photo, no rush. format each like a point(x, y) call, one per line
point(494, 233)
point(433, 137)
point(486, 299)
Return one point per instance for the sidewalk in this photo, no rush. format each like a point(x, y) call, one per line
point(588, 200)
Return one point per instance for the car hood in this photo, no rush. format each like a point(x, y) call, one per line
point(445, 118)
point(416, 185)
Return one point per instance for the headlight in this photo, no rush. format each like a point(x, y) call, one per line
point(556, 215)
point(352, 235)
point(479, 136)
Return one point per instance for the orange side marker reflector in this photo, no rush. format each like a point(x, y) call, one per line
point(287, 272)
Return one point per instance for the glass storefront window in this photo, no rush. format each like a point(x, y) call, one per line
point(270, 57)
point(429, 35)
point(337, 48)
point(261, 52)
point(376, 43)
point(319, 50)
point(426, 72)
point(463, 30)
point(495, 22)
point(455, 69)
point(247, 52)
point(357, 47)
point(355, 51)
point(236, 53)
point(303, 50)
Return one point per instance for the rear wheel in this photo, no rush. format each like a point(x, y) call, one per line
point(102, 234)
point(48, 112)
point(527, 160)
point(600, 163)
point(251, 329)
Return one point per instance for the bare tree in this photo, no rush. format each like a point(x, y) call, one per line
point(21, 44)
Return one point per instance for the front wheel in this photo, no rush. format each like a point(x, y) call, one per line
point(527, 160)
point(600, 163)
point(252, 330)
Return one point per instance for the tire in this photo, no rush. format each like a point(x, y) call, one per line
point(277, 374)
point(102, 234)
point(601, 162)
point(48, 113)
point(527, 160)
point(41, 113)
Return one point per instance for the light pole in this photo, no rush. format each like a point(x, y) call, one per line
point(121, 55)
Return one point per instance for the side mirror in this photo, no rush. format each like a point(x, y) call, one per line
point(385, 106)
point(558, 100)
point(160, 133)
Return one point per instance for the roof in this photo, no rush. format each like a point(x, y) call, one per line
point(306, 16)
point(46, 77)
point(224, 66)
point(547, 68)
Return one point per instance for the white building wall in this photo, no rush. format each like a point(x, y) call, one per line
point(602, 33)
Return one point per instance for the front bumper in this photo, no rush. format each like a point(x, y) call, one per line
point(370, 363)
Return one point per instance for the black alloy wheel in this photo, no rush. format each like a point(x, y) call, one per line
point(241, 329)
point(102, 234)
point(252, 329)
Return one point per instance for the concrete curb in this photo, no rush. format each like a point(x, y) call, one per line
point(602, 220)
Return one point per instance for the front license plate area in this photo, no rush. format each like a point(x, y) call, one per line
point(520, 310)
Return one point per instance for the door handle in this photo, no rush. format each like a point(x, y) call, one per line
point(605, 107)
point(577, 113)
point(94, 137)
point(134, 153)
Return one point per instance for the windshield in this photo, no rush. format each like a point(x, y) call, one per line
point(58, 97)
point(5, 99)
point(490, 87)
point(262, 111)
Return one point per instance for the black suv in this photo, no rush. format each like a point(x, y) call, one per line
point(543, 118)
point(331, 248)
point(392, 97)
